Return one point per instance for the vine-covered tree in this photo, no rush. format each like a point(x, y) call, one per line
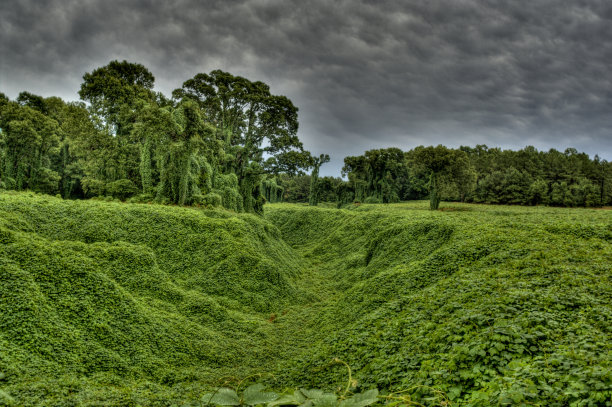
point(315, 191)
point(251, 122)
point(440, 162)
point(115, 93)
point(29, 141)
point(378, 175)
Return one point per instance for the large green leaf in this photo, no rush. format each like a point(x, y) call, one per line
point(222, 397)
point(319, 398)
point(326, 400)
point(312, 394)
point(361, 399)
point(254, 395)
point(6, 399)
point(287, 400)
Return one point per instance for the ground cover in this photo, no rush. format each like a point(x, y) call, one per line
point(127, 304)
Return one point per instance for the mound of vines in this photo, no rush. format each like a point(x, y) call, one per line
point(107, 303)
point(484, 305)
point(100, 298)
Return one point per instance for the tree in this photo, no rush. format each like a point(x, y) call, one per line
point(29, 140)
point(112, 92)
point(439, 161)
point(538, 192)
point(115, 94)
point(380, 175)
point(296, 188)
point(251, 123)
point(314, 179)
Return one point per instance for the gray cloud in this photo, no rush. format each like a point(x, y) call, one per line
point(365, 74)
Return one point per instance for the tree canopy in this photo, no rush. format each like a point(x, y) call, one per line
point(224, 140)
point(216, 142)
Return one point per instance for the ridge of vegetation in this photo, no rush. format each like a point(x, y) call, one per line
point(486, 305)
point(113, 294)
point(106, 303)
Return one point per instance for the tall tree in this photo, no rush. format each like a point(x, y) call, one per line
point(252, 123)
point(115, 93)
point(314, 179)
point(29, 140)
point(440, 161)
point(379, 175)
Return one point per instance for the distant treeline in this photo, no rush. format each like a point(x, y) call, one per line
point(223, 140)
point(468, 174)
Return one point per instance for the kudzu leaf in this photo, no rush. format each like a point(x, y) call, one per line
point(222, 397)
point(254, 395)
point(299, 396)
point(312, 394)
point(6, 399)
point(361, 399)
point(286, 399)
point(325, 400)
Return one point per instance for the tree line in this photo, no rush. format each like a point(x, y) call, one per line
point(220, 140)
point(223, 140)
point(468, 174)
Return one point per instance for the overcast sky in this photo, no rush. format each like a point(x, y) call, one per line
point(364, 74)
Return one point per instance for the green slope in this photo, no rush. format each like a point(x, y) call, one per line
point(125, 304)
point(481, 305)
point(136, 292)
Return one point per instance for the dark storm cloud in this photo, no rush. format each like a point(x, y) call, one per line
point(364, 74)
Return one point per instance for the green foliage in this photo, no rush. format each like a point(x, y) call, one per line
point(121, 189)
point(372, 200)
point(212, 199)
point(441, 162)
point(272, 191)
point(480, 174)
point(250, 122)
point(130, 138)
point(107, 303)
point(252, 396)
point(532, 177)
point(96, 294)
point(28, 140)
point(255, 395)
point(380, 174)
point(315, 188)
point(6, 399)
point(473, 305)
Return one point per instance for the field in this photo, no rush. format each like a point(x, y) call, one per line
point(106, 303)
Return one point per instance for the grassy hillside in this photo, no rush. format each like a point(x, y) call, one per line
point(117, 293)
point(488, 305)
point(126, 304)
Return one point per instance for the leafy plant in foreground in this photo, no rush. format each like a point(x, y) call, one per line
point(255, 395)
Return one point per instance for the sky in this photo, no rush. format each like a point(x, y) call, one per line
point(364, 74)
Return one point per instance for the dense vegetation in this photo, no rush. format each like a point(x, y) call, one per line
point(487, 305)
point(130, 304)
point(223, 140)
point(114, 303)
point(479, 174)
point(220, 141)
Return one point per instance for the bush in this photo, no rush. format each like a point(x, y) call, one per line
point(141, 198)
point(93, 187)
